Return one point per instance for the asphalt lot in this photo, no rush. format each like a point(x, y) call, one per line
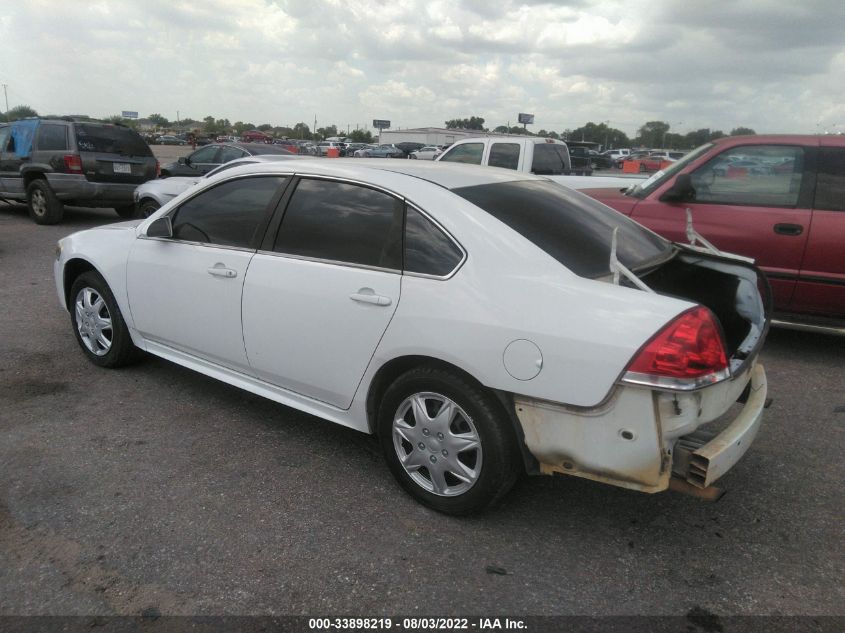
point(156, 488)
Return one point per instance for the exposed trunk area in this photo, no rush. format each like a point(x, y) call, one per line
point(736, 292)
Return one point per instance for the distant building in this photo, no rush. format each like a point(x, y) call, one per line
point(428, 135)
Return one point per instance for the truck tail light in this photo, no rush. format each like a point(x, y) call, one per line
point(73, 163)
point(158, 169)
point(686, 354)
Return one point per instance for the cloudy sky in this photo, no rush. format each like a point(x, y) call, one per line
point(775, 66)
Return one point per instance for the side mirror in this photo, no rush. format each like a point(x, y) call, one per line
point(184, 160)
point(680, 191)
point(160, 227)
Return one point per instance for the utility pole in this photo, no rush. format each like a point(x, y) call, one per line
point(5, 94)
point(177, 119)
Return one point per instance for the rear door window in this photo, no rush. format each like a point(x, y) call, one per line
point(110, 139)
point(342, 222)
point(549, 159)
point(470, 153)
point(830, 183)
point(52, 137)
point(504, 155)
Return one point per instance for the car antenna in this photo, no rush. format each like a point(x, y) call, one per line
point(694, 236)
point(618, 268)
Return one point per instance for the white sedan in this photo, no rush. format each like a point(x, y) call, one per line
point(430, 152)
point(481, 322)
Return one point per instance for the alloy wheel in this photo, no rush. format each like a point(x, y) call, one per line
point(93, 321)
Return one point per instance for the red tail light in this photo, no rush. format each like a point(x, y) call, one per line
point(73, 163)
point(158, 169)
point(686, 354)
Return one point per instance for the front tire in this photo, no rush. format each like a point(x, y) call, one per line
point(43, 205)
point(98, 324)
point(447, 441)
point(147, 208)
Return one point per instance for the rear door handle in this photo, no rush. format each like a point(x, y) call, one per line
point(219, 270)
point(366, 295)
point(789, 229)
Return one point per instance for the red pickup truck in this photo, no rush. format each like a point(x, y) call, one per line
point(778, 199)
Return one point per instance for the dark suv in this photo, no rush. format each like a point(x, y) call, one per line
point(53, 162)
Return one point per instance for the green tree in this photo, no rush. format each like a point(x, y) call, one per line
point(742, 131)
point(19, 112)
point(652, 134)
point(326, 132)
point(601, 133)
point(301, 130)
point(241, 127)
point(361, 136)
point(472, 123)
point(264, 127)
point(159, 120)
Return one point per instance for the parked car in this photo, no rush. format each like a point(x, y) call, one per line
point(207, 158)
point(429, 152)
point(351, 148)
point(408, 146)
point(169, 139)
point(386, 150)
point(323, 148)
point(632, 156)
point(361, 153)
point(289, 144)
point(631, 347)
point(154, 194)
point(53, 162)
point(599, 160)
point(778, 199)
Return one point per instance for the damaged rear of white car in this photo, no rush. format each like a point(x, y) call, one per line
point(687, 404)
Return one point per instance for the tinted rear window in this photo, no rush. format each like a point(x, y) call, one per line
point(110, 139)
point(569, 226)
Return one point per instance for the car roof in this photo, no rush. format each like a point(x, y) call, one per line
point(447, 175)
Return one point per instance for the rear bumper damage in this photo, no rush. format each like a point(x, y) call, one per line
point(641, 437)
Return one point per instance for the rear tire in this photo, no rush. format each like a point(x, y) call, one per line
point(43, 205)
point(98, 324)
point(458, 464)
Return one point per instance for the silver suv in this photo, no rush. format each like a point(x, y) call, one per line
point(53, 162)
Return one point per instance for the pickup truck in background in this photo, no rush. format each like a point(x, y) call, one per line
point(533, 155)
point(779, 199)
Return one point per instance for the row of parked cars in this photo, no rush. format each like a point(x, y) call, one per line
point(777, 199)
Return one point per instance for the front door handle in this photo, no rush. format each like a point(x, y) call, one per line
point(789, 229)
point(219, 270)
point(366, 295)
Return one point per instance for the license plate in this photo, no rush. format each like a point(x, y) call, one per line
point(122, 168)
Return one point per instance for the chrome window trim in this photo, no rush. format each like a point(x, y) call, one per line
point(332, 262)
point(170, 240)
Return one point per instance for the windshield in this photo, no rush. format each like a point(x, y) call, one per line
point(571, 227)
point(641, 190)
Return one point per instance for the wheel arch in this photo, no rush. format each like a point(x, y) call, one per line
point(392, 369)
point(73, 268)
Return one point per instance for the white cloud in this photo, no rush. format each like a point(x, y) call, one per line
point(772, 65)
